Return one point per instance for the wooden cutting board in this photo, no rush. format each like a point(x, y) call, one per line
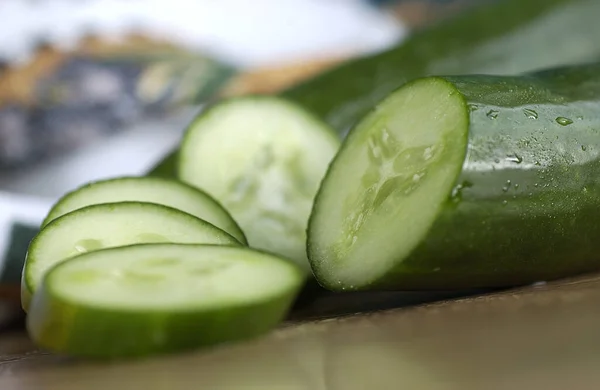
point(543, 337)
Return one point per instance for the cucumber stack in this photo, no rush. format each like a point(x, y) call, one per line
point(138, 265)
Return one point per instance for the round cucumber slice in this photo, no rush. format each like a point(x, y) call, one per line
point(111, 225)
point(166, 192)
point(263, 158)
point(387, 185)
point(156, 298)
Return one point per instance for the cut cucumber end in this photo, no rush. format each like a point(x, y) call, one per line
point(153, 298)
point(385, 187)
point(110, 225)
point(166, 192)
point(263, 158)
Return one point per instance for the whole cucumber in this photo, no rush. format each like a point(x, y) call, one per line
point(508, 37)
point(465, 182)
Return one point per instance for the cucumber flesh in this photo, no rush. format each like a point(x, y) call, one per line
point(111, 225)
point(152, 190)
point(263, 158)
point(155, 298)
point(398, 166)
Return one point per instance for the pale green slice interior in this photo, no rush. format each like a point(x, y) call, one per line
point(147, 189)
point(263, 158)
point(172, 277)
point(387, 184)
point(110, 225)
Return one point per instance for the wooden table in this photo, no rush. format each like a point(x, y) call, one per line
point(540, 337)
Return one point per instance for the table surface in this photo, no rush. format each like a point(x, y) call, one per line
point(539, 337)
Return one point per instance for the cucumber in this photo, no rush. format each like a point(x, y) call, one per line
point(147, 299)
point(509, 37)
point(263, 158)
point(153, 190)
point(110, 225)
point(465, 182)
point(506, 37)
point(167, 167)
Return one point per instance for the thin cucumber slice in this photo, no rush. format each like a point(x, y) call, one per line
point(110, 225)
point(157, 298)
point(387, 185)
point(166, 192)
point(263, 158)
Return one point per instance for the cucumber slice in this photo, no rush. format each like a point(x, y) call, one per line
point(110, 225)
point(472, 181)
point(156, 298)
point(398, 167)
point(263, 158)
point(152, 190)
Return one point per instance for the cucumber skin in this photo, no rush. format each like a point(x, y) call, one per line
point(131, 331)
point(167, 167)
point(73, 330)
point(507, 41)
point(345, 93)
point(543, 225)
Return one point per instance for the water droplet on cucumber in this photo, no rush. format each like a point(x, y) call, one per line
point(428, 153)
point(561, 120)
point(583, 147)
point(506, 186)
point(531, 114)
point(492, 114)
point(417, 176)
point(473, 107)
point(456, 194)
point(514, 158)
point(87, 245)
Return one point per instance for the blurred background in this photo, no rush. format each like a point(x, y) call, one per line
point(100, 88)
